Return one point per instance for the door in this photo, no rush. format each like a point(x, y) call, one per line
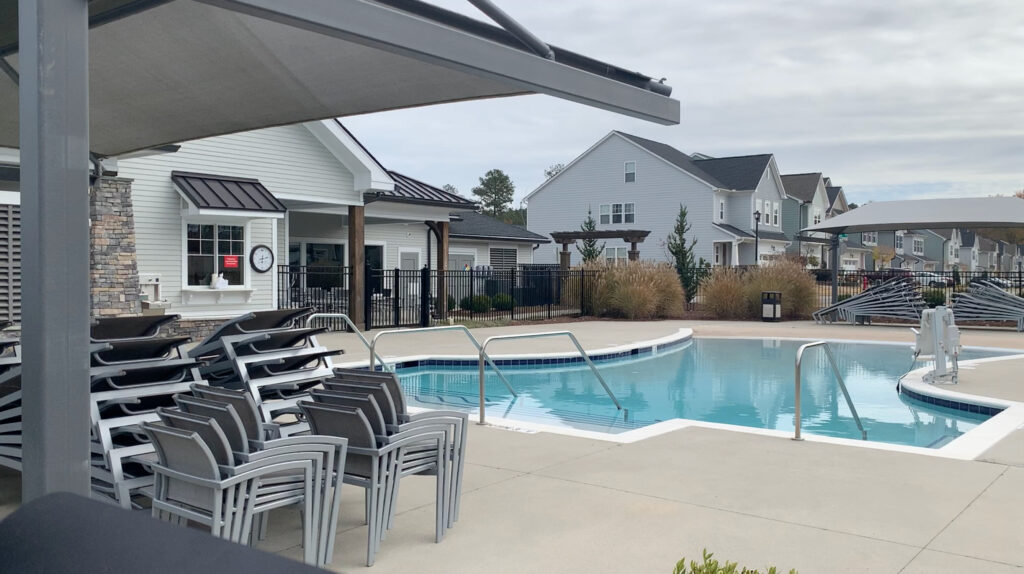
point(409, 264)
point(324, 262)
point(374, 257)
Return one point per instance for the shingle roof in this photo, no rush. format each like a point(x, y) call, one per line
point(207, 191)
point(774, 235)
point(986, 244)
point(739, 173)
point(967, 238)
point(475, 225)
point(833, 193)
point(410, 190)
point(802, 186)
point(945, 233)
point(733, 230)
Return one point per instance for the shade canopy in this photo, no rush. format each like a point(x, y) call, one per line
point(162, 72)
point(927, 214)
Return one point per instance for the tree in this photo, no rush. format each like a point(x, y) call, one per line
point(514, 217)
point(495, 192)
point(683, 254)
point(882, 254)
point(589, 249)
point(853, 206)
point(553, 170)
point(450, 188)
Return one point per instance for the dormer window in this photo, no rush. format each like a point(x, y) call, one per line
point(630, 171)
point(721, 210)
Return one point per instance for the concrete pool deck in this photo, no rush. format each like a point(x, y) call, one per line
point(545, 502)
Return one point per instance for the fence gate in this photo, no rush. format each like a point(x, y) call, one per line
point(397, 298)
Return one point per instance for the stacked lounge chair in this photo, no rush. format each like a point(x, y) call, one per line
point(896, 298)
point(10, 403)
point(133, 371)
point(269, 355)
point(985, 301)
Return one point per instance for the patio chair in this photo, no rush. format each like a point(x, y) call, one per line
point(247, 324)
point(196, 480)
point(374, 468)
point(134, 350)
point(123, 328)
point(247, 449)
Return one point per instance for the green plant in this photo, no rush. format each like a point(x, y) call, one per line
point(683, 255)
point(712, 566)
point(451, 302)
point(476, 304)
point(502, 302)
point(933, 297)
point(589, 249)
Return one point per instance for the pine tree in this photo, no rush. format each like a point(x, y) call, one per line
point(495, 192)
point(690, 275)
point(589, 249)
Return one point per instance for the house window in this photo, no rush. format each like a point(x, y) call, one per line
point(628, 212)
point(951, 250)
point(817, 216)
point(869, 238)
point(616, 255)
point(630, 171)
point(918, 245)
point(616, 213)
point(213, 249)
point(606, 213)
point(721, 210)
point(503, 258)
point(775, 213)
point(899, 241)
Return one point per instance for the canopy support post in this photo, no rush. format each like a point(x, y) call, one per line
point(834, 264)
point(54, 140)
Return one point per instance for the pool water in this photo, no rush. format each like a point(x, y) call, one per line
point(747, 382)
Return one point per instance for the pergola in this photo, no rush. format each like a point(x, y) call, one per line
point(90, 80)
point(567, 238)
point(968, 212)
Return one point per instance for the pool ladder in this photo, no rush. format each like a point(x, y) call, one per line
point(839, 379)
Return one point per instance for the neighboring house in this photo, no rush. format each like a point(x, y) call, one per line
point(952, 243)
point(1006, 252)
point(856, 254)
point(204, 209)
point(988, 254)
point(969, 250)
point(836, 199)
point(631, 183)
point(806, 204)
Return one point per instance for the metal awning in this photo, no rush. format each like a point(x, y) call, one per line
point(221, 193)
point(927, 214)
point(162, 72)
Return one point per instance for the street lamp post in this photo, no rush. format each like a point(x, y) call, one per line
point(757, 228)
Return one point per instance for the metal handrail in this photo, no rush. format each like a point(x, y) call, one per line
point(351, 325)
point(839, 379)
point(463, 328)
point(483, 349)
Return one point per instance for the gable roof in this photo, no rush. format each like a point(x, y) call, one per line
point(833, 194)
point(206, 191)
point(802, 186)
point(410, 190)
point(986, 244)
point(473, 225)
point(741, 173)
point(944, 233)
point(967, 238)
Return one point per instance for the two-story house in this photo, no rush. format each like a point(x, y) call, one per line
point(988, 254)
point(952, 243)
point(631, 183)
point(806, 204)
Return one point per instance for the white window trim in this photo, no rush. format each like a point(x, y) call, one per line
point(633, 203)
point(720, 209)
point(384, 251)
point(243, 258)
point(420, 256)
point(776, 214)
point(599, 214)
point(625, 171)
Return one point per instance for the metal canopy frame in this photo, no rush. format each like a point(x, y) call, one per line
point(54, 138)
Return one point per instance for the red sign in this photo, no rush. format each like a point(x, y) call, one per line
point(230, 262)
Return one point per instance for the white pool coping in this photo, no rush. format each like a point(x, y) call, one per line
point(967, 446)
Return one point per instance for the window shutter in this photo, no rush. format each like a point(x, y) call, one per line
point(503, 258)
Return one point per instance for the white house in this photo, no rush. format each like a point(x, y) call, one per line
point(807, 204)
point(631, 183)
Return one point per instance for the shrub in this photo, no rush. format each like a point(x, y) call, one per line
point(843, 297)
point(725, 295)
point(502, 302)
point(638, 290)
point(711, 566)
point(451, 302)
point(476, 304)
point(933, 297)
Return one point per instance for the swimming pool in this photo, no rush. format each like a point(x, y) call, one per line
point(746, 382)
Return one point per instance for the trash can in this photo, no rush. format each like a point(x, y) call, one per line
point(771, 305)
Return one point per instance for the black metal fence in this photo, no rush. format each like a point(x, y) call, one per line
point(525, 292)
point(936, 287)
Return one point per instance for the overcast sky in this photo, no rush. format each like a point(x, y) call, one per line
point(893, 99)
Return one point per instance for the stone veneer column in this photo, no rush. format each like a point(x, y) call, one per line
point(113, 265)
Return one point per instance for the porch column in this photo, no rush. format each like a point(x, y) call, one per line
point(634, 253)
point(356, 262)
point(734, 253)
point(564, 257)
point(54, 140)
point(442, 267)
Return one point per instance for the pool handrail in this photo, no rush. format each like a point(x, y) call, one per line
point(839, 378)
point(593, 368)
point(462, 328)
point(351, 325)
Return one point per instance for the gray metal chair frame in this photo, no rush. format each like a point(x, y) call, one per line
point(987, 301)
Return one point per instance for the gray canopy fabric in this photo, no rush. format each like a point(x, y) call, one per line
point(927, 214)
point(172, 71)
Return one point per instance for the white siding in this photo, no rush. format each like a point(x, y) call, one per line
point(288, 160)
point(597, 178)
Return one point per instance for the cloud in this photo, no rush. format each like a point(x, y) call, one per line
point(917, 96)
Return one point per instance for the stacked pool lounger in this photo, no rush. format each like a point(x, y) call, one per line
point(985, 301)
point(133, 371)
point(10, 403)
point(896, 298)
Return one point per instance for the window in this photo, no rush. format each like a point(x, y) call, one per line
point(899, 241)
point(951, 250)
point(616, 255)
point(919, 245)
point(628, 212)
point(630, 171)
point(721, 210)
point(817, 216)
point(869, 238)
point(775, 213)
point(606, 211)
point(213, 249)
point(503, 258)
point(616, 213)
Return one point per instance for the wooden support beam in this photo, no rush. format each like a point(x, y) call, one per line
point(356, 262)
